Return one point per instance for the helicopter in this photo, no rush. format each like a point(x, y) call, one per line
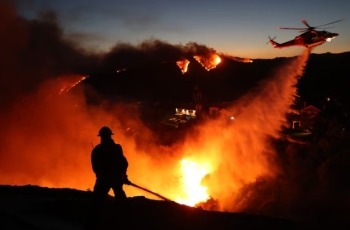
point(309, 38)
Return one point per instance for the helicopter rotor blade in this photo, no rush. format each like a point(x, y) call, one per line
point(286, 28)
point(307, 24)
point(326, 28)
point(330, 23)
point(308, 28)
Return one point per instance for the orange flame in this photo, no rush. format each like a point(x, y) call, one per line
point(183, 65)
point(209, 61)
point(193, 173)
point(69, 81)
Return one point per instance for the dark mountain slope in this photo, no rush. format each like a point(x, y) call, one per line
point(33, 207)
point(325, 76)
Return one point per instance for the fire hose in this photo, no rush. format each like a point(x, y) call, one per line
point(149, 191)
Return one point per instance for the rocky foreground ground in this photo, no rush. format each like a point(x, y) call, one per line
point(34, 207)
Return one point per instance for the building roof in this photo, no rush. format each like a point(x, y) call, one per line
point(310, 107)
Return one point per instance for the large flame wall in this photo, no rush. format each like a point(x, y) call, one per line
point(240, 151)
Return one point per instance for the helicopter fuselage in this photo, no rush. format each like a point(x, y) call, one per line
point(308, 39)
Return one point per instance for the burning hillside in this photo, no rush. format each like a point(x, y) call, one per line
point(40, 109)
point(48, 121)
point(126, 56)
point(49, 131)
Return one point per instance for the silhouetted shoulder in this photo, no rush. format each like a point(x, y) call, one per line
point(96, 148)
point(119, 147)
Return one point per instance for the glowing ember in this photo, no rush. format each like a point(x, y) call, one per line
point(183, 65)
point(121, 70)
point(193, 173)
point(69, 81)
point(247, 60)
point(209, 61)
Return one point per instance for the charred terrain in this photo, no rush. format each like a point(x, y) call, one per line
point(238, 169)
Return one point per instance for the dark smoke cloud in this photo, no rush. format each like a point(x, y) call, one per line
point(33, 51)
point(125, 55)
point(48, 135)
point(36, 50)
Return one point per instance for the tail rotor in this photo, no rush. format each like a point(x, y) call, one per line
point(270, 40)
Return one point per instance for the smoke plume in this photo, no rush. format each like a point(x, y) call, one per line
point(48, 132)
point(33, 51)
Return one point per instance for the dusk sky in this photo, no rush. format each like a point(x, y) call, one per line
point(237, 28)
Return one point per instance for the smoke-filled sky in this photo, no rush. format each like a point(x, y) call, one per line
point(238, 28)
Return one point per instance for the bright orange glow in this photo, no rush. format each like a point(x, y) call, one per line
point(47, 138)
point(183, 65)
point(217, 60)
point(238, 59)
point(48, 143)
point(208, 61)
point(192, 175)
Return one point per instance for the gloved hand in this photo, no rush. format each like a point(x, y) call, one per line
point(126, 180)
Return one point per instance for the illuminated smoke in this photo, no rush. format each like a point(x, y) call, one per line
point(48, 136)
point(234, 152)
point(238, 59)
point(239, 150)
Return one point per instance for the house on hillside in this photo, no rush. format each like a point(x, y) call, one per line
point(303, 119)
point(187, 112)
point(308, 117)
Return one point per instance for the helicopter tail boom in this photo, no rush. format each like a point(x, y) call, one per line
point(273, 43)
